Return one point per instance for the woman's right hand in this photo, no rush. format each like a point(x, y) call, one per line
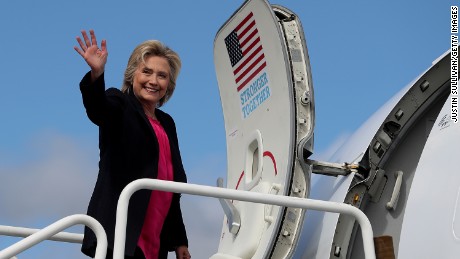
point(95, 57)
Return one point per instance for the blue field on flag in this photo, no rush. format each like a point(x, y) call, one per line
point(245, 51)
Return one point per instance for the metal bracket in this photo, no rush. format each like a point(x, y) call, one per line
point(332, 169)
point(233, 216)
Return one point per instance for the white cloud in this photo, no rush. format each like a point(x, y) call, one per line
point(52, 179)
point(57, 184)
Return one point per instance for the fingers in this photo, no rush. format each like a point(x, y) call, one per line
point(104, 45)
point(90, 43)
point(79, 51)
point(85, 45)
point(85, 37)
point(93, 38)
point(82, 48)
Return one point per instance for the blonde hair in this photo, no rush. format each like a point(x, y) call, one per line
point(140, 54)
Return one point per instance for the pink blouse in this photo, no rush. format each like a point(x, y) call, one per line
point(149, 240)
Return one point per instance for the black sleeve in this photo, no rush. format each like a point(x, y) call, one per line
point(100, 104)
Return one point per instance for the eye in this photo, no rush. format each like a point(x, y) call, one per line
point(146, 71)
point(162, 75)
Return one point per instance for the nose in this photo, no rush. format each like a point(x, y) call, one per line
point(153, 80)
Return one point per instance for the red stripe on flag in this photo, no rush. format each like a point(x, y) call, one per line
point(252, 76)
point(245, 51)
point(250, 37)
point(247, 60)
point(250, 67)
point(241, 35)
point(244, 21)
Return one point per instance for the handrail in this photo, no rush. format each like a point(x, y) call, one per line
point(25, 232)
point(216, 192)
point(51, 232)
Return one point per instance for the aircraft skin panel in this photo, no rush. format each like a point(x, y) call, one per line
point(395, 149)
point(403, 160)
point(319, 228)
point(356, 144)
point(259, 122)
point(239, 110)
point(264, 77)
point(436, 187)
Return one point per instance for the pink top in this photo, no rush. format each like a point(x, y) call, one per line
point(149, 240)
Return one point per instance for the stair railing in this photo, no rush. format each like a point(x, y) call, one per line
point(218, 192)
point(52, 232)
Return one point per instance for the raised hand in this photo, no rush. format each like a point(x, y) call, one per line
point(95, 57)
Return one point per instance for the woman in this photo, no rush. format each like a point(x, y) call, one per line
point(136, 140)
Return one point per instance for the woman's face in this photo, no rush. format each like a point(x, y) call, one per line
point(151, 81)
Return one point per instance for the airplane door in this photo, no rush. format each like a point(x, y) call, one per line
point(266, 91)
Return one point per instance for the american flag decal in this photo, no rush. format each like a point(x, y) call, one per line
point(245, 51)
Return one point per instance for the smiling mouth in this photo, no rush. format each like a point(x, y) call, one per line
point(151, 90)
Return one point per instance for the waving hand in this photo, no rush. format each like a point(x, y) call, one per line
point(95, 57)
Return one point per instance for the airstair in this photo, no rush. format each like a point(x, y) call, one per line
point(52, 232)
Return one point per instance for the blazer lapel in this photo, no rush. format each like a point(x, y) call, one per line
point(140, 111)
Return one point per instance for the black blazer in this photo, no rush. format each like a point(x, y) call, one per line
point(128, 151)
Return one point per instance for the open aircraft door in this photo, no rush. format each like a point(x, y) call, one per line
point(264, 78)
